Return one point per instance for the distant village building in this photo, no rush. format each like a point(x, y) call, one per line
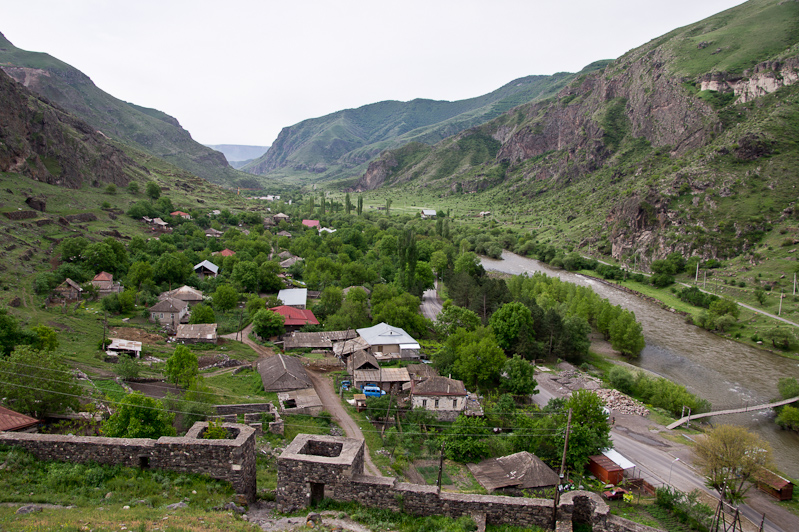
point(289, 262)
point(428, 213)
point(159, 223)
point(387, 342)
point(121, 346)
point(295, 318)
point(105, 285)
point(269, 221)
point(12, 421)
point(184, 215)
point(190, 295)
point(483, 214)
point(387, 379)
point(347, 290)
point(168, 313)
point(224, 253)
point(281, 373)
point(326, 230)
point(516, 474)
point(311, 223)
point(213, 233)
point(443, 396)
point(280, 217)
point(206, 269)
point(284, 233)
point(294, 297)
point(361, 360)
point(68, 290)
point(197, 333)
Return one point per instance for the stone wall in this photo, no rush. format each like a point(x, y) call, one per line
point(313, 467)
point(252, 416)
point(231, 460)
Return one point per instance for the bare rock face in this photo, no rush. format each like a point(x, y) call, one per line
point(43, 142)
point(377, 173)
point(38, 204)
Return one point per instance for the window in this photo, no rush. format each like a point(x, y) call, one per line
point(436, 403)
point(424, 403)
point(454, 403)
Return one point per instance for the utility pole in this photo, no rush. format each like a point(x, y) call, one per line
point(560, 476)
point(440, 465)
point(704, 280)
point(779, 312)
point(390, 396)
point(696, 279)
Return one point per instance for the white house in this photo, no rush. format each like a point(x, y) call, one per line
point(445, 397)
point(428, 213)
point(386, 341)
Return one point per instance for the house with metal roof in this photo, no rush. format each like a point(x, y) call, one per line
point(515, 474)
point(295, 318)
point(387, 342)
point(428, 213)
point(169, 312)
point(386, 378)
point(282, 373)
point(120, 345)
point(213, 233)
point(294, 297)
point(361, 360)
point(190, 295)
point(69, 290)
point(196, 333)
point(443, 396)
point(206, 269)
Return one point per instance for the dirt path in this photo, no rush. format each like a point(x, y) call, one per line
point(244, 336)
point(331, 402)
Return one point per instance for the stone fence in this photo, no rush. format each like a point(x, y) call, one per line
point(252, 415)
point(313, 467)
point(231, 460)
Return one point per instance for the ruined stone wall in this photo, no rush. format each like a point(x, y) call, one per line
point(231, 460)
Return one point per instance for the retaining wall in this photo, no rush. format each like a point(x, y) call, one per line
point(231, 460)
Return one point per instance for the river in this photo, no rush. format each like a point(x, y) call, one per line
point(726, 373)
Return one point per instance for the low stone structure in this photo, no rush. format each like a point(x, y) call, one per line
point(231, 460)
point(313, 467)
point(252, 415)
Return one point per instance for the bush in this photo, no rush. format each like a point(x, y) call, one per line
point(662, 280)
point(621, 379)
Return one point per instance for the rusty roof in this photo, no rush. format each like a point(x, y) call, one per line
point(772, 479)
point(521, 470)
point(197, 331)
point(11, 420)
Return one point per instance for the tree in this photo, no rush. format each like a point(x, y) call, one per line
point(139, 416)
point(509, 322)
point(347, 204)
point(225, 297)
point(72, 248)
point(453, 317)
point(153, 190)
point(139, 273)
point(354, 312)
point(479, 362)
point(10, 332)
point(267, 323)
point(728, 456)
point(466, 440)
point(37, 383)
point(246, 273)
point(44, 338)
point(172, 268)
point(181, 368)
point(202, 313)
point(626, 334)
point(518, 377)
point(254, 304)
point(133, 187)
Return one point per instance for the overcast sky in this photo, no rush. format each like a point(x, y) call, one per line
point(238, 71)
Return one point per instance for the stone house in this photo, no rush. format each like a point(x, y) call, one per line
point(69, 290)
point(169, 312)
point(196, 333)
point(105, 285)
point(441, 395)
point(190, 295)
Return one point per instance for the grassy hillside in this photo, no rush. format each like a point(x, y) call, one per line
point(149, 130)
point(338, 146)
point(635, 160)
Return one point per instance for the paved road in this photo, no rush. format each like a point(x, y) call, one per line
point(431, 304)
point(332, 403)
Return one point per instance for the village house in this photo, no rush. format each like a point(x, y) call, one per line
point(190, 295)
point(168, 313)
point(311, 223)
point(361, 360)
point(294, 297)
point(213, 233)
point(517, 474)
point(280, 217)
point(11, 421)
point(295, 318)
point(206, 269)
point(121, 346)
point(105, 285)
point(281, 373)
point(387, 342)
point(428, 214)
point(441, 395)
point(197, 333)
point(159, 223)
point(284, 233)
point(68, 290)
point(224, 253)
point(184, 215)
point(388, 379)
point(289, 262)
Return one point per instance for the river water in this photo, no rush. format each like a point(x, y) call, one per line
point(726, 373)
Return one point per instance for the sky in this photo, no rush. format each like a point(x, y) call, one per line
point(238, 71)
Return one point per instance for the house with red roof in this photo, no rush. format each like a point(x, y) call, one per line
point(311, 223)
point(296, 318)
point(14, 421)
point(184, 215)
point(224, 253)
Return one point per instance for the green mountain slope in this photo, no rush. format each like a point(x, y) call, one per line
point(688, 143)
point(150, 130)
point(340, 144)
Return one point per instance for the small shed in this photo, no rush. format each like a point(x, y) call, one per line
point(120, 345)
point(282, 373)
point(605, 469)
point(197, 333)
point(303, 401)
point(361, 360)
point(428, 213)
point(514, 474)
point(773, 484)
point(69, 290)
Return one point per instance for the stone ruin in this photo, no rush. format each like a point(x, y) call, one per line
point(314, 467)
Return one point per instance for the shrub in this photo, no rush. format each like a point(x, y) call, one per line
point(621, 379)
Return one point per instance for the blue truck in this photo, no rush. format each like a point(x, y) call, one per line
point(372, 390)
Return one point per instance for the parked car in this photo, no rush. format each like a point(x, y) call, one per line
point(346, 385)
point(372, 390)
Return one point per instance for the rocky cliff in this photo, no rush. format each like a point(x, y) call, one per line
point(43, 142)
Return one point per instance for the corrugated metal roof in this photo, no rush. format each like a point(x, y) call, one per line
point(521, 470)
point(11, 420)
point(293, 296)
point(168, 305)
point(385, 334)
point(207, 264)
point(197, 331)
